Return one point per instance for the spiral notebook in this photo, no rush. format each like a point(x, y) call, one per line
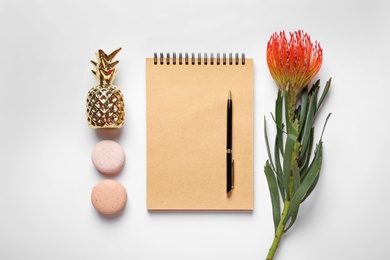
point(186, 99)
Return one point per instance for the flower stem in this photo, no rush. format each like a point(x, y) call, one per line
point(292, 102)
point(279, 232)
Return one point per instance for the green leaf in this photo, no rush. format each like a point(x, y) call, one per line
point(324, 93)
point(273, 190)
point(279, 108)
point(309, 121)
point(288, 126)
point(323, 128)
point(267, 144)
point(279, 170)
point(297, 112)
point(294, 216)
point(304, 102)
point(279, 120)
point(305, 157)
point(317, 152)
point(303, 188)
point(315, 87)
point(318, 157)
point(296, 175)
point(311, 188)
point(288, 158)
point(296, 184)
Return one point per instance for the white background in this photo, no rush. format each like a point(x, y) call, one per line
point(46, 174)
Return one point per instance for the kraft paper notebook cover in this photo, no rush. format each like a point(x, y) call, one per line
point(186, 100)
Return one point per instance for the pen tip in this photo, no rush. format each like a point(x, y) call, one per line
point(230, 95)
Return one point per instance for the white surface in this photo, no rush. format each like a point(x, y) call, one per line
point(47, 175)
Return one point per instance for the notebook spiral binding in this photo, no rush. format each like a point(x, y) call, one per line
point(168, 60)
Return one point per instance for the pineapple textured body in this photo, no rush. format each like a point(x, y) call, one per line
point(105, 107)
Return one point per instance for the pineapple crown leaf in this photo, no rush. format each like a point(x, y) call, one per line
point(106, 76)
point(113, 64)
point(105, 63)
point(105, 71)
point(109, 57)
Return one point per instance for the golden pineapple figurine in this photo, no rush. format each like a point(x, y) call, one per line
point(105, 105)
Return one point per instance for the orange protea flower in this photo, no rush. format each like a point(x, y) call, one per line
point(293, 63)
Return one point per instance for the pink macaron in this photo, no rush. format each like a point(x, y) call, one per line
point(108, 157)
point(109, 197)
